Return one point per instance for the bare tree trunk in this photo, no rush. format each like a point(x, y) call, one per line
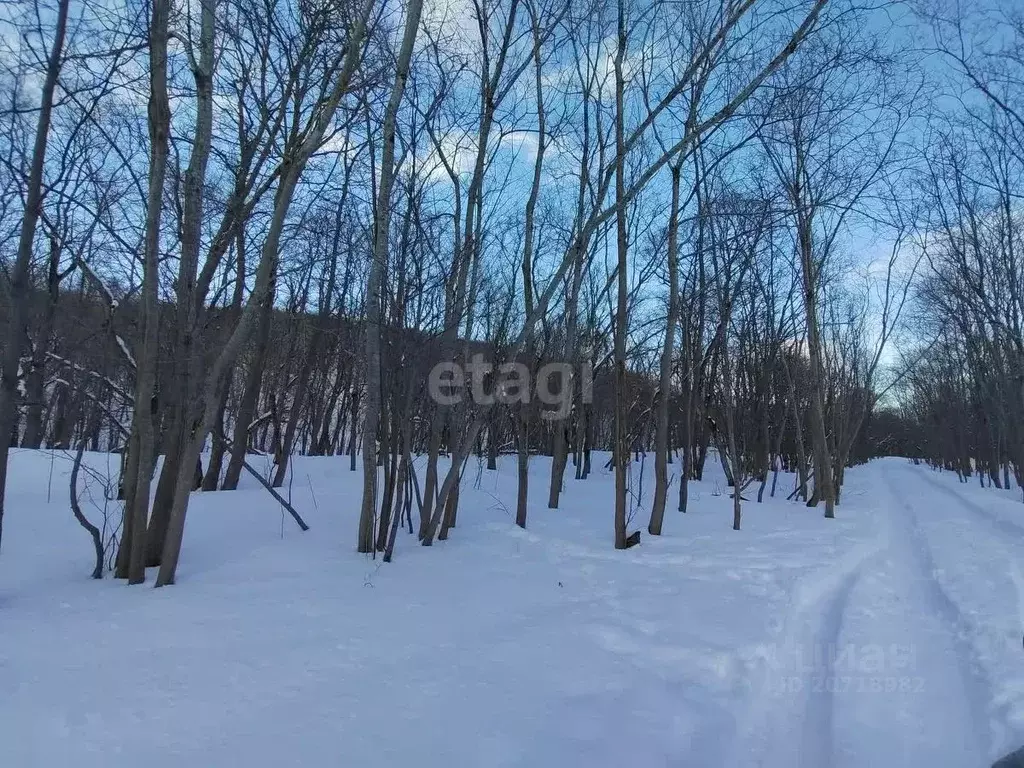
point(19, 293)
point(776, 454)
point(823, 474)
point(732, 463)
point(137, 497)
point(298, 401)
point(250, 396)
point(451, 506)
point(661, 448)
point(76, 509)
point(621, 456)
point(523, 409)
point(353, 431)
point(764, 458)
point(184, 366)
point(798, 432)
point(582, 445)
point(578, 253)
point(391, 476)
point(452, 479)
point(371, 410)
point(430, 480)
point(686, 453)
point(404, 481)
point(493, 445)
point(522, 462)
point(35, 378)
point(212, 477)
point(560, 448)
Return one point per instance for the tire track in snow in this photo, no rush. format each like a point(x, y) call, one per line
point(973, 683)
point(819, 706)
point(883, 593)
point(994, 644)
point(789, 722)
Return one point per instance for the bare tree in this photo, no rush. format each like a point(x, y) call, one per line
point(371, 417)
point(18, 293)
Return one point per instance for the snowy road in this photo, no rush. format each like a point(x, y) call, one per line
point(893, 659)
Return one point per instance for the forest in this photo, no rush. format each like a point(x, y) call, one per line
point(779, 236)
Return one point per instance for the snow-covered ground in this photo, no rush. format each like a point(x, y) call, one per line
point(891, 636)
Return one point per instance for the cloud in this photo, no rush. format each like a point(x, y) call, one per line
point(453, 21)
point(458, 149)
point(523, 143)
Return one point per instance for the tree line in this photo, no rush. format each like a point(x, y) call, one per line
point(963, 398)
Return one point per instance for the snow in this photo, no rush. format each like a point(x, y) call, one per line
point(890, 636)
point(123, 345)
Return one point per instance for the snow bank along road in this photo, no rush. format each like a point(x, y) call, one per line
point(888, 637)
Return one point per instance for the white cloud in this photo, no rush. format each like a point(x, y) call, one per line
point(522, 142)
point(458, 150)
